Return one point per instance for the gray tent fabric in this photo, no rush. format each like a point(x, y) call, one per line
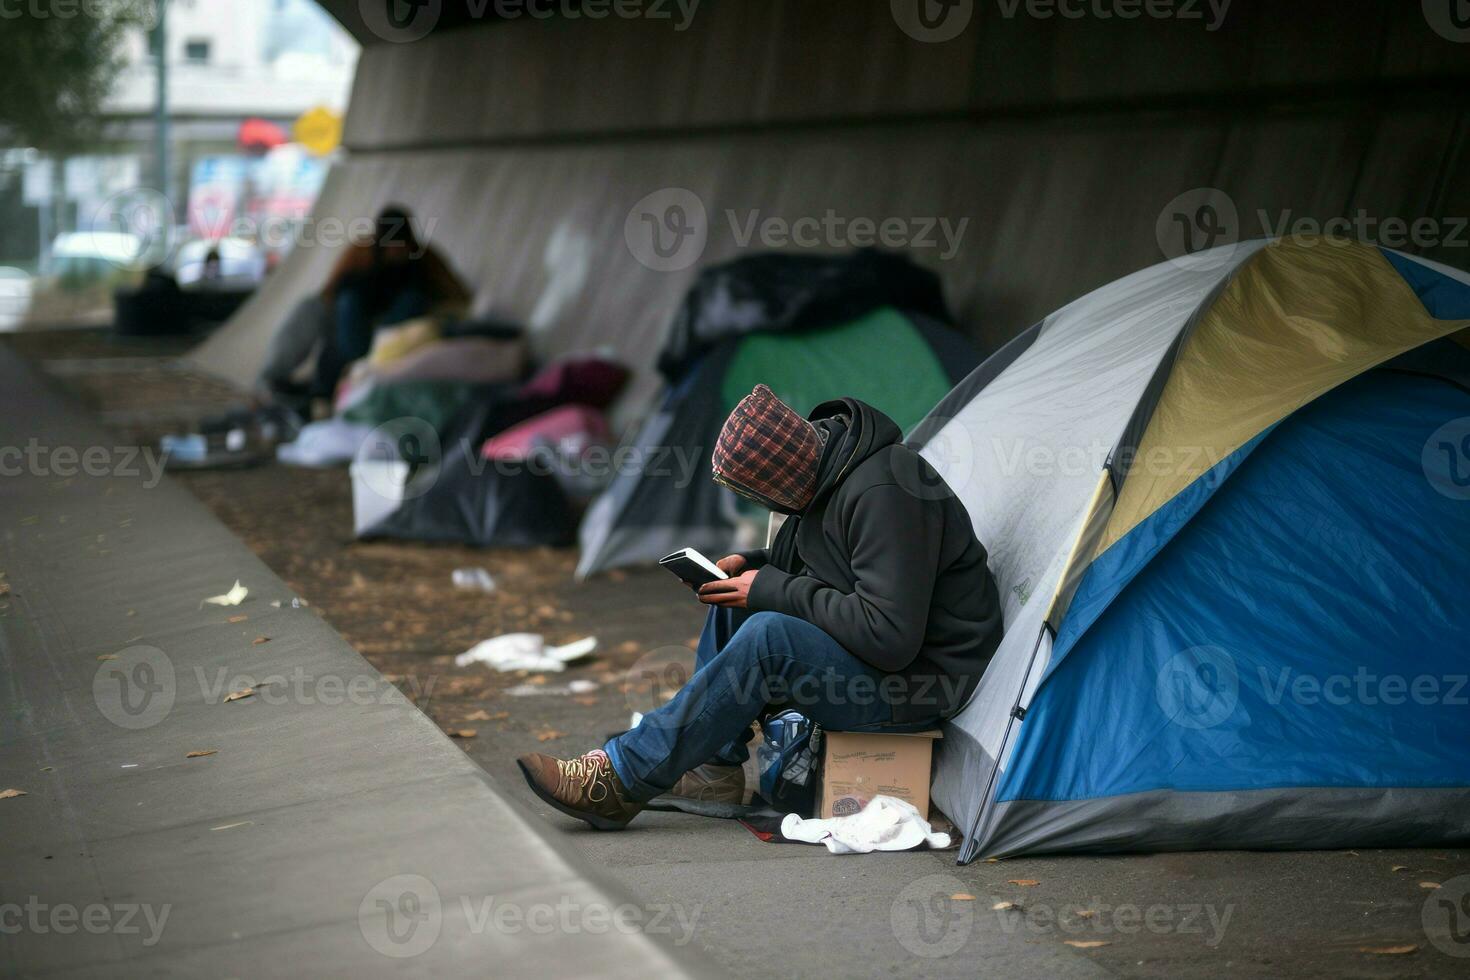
point(668, 499)
point(1266, 819)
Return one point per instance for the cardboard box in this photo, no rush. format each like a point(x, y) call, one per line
point(857, 766)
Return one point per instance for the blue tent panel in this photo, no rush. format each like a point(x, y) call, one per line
point(1443, 297)
point(1111, 572)
point(1305, 629)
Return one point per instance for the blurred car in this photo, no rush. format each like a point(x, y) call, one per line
point(15, 296)
point(241, 264)
point(87, 258)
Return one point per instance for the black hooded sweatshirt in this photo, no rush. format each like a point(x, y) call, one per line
point(885, 561)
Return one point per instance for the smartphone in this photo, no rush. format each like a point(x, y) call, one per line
point(692, 567)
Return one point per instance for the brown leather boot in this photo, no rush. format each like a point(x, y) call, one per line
point(712, 784)
point(586, 788)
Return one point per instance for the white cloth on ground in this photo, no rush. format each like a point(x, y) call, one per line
point(525, 651)
point(885, 824)
point(330, 442)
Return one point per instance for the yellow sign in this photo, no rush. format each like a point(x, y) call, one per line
point(319, 130)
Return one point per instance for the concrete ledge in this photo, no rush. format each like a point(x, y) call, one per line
point(335, 831)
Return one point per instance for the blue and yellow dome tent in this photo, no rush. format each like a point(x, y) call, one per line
point(1227, 499)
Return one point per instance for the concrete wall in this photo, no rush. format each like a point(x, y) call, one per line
point(525, 145)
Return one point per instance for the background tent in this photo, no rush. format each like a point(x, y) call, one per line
point(784, 323)
point(1061, 145)
point(1210, 490)
point(469, 500)
point(490, 500)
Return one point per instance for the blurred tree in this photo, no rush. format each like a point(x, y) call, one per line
point(59, 60)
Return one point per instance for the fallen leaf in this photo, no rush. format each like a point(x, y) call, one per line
point(962, 897)
point(1023, 882)
point(1086, 913)
point(463, 733)
point(259, 640)
point(107, 656)
point(234, 597)
point(1389, 950)
point(200, 753)
point(237, 695)
point(10, 794)
point(1087, 943)
point(549, 734)
point(483, 715)
point(585, 700)
point(48, 768)
point(1429, 884)
point(1399, 867)
point(237, 619)
point(1005, 907)
point(992, 860)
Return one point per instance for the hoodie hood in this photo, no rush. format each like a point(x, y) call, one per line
point(856, 430)
point(768, 453)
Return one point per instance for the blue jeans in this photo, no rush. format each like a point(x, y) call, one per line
point(355, 325)
point(745, 663)
point(352, 335)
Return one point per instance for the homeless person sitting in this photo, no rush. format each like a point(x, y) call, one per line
point(873, 610)
point(377, 282)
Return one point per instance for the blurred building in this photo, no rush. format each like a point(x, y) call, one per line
point(240, 75)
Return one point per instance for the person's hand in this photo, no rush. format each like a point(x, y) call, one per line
point(730, 592)
point(731, 564)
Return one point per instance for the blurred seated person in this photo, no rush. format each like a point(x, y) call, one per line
point(378, 282)
point(213, 266)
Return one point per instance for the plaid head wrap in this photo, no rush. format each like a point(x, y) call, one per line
point(768, 453)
